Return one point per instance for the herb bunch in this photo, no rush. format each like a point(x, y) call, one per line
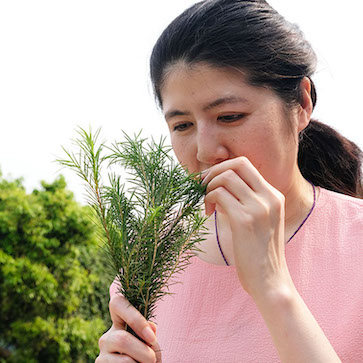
point(151, 229)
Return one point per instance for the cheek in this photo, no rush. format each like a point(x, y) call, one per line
point(181, 150)
point(268, 148)
point(276, 161)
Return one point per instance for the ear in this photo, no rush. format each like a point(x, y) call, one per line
point(306, 106)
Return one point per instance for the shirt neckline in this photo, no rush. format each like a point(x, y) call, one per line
point(318, 204)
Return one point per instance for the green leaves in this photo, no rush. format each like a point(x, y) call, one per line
point(151, 228)
point(53, 301)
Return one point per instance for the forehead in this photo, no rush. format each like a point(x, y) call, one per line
point(201, 85)
point(192, 79)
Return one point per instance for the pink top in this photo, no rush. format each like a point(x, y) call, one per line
point(212, 319)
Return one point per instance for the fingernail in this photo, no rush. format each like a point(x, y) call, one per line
point(149, 335)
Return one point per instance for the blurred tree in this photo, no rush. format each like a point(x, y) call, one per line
point(53, 288)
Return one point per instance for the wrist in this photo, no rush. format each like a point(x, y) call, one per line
point(277, 296)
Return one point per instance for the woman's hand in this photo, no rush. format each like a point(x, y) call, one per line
point(117, 345)
point(256, 213)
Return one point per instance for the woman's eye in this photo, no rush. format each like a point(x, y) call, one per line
point(231, 118)
point(182, 127)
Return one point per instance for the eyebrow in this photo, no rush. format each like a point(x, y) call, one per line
point(217, 102)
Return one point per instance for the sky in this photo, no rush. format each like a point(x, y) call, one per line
point(71, 63)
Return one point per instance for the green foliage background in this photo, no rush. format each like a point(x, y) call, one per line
point(53, 286)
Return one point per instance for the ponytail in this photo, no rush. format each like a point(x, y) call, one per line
point(328, 159)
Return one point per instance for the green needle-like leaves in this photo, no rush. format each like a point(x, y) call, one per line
point(152, 228)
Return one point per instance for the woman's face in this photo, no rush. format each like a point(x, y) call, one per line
point(214, 115)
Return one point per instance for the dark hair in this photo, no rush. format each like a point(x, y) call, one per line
point(250, 36)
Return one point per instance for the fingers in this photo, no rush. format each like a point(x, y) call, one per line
point(114, 358)
point(238, 191)
point(243, 168)
point(231, 181)
point(118, 345)
point(123, 312)
point(156, 347)
point(242, 181)
point(224, 199)
point(120, 341)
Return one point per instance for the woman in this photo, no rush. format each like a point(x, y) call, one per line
point(279, 277)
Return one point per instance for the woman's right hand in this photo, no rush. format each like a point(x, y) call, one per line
point(117, 345)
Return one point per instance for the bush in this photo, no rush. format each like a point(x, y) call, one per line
point(53, 288)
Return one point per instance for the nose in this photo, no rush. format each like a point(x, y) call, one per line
point(210, 146)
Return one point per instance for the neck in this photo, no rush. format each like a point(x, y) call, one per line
point(299, 199)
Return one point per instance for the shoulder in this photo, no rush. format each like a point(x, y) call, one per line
point(330, 201)
point(340, 214)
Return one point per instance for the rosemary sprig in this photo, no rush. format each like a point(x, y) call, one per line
point(151, 229)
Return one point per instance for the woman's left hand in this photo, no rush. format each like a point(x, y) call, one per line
point(256, 213)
